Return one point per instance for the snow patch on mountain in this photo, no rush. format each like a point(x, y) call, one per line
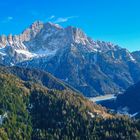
point(26, 53)
point(2, 51)
point(46, 52)
point(131, 58)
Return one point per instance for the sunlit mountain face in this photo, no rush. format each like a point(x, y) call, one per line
point(92, 67)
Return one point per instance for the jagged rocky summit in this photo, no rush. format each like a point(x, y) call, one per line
point(92, 67)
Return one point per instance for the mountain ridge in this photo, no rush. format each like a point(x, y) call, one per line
point(92, 67)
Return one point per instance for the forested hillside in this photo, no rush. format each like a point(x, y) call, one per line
point(31, 111)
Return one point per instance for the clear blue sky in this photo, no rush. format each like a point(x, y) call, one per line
point(117, 21)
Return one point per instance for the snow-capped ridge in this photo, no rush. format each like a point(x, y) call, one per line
point(45, 39)
point(52, 35)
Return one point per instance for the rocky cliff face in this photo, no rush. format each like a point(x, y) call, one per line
point(92, 67)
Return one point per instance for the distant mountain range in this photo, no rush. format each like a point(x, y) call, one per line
point(92, 67)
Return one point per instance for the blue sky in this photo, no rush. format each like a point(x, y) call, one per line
point(117, 21)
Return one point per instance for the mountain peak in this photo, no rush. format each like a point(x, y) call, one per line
point(77, 35)
point(36, 23)
point(50, 47)
point(32, 31)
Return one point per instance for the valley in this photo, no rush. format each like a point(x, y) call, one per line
point(99, 99)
